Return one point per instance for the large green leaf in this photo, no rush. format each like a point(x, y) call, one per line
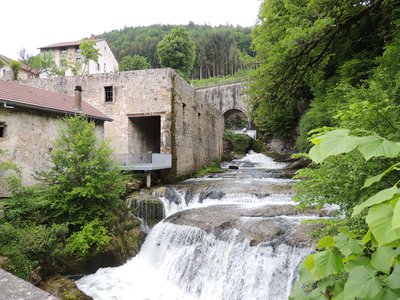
point(360, 261)
point(347, 245)
point(315, 154)
point(378, 177)
point(328, 263)
point(382, 259)
point(325, 242)
point(337, 142)
point(375, 146)
point(379, 220)
point(361, 284)
point(396, 214)
point(393, 280)
point(379, 197)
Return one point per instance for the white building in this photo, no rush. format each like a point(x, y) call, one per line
point(106, 63)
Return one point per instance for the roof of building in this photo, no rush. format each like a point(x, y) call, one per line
point(24, 67)
point(65, 44)
point(15, 94)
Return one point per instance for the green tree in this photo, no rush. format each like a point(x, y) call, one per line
point(41, 63)
point(89, 52)
point(305, 47)
point(15, 68)
point(136, 62)
point(177, 50)
point(84, 183)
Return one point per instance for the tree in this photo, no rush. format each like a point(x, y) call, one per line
point(89, 52)
point(41, 63)
point(15, 68)
point(136, 62)
point(84, 183)
point(302, 48)
point(177, 50)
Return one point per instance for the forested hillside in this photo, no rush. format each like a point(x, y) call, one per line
point(220, 51)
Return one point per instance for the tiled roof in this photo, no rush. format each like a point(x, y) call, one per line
point(64, 44)
point(16, 94)
point(23, 66)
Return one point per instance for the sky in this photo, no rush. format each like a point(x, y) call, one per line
point(32, 24)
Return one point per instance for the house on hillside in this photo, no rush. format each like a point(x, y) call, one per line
point(29, 121)
point(106, 64)
point(6, 72)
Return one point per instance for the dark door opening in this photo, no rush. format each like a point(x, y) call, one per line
point(146, 134)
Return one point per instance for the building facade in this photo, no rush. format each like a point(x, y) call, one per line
point(153, 111)
point(6, 72)
point(106, 63)
point(29, 119)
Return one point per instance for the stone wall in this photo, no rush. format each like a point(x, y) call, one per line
point(198, 129)
point(225, 97)
point(28, 139)
point(192, 133)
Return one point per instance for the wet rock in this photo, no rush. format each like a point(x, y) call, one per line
point(63, 288)
point(269, 224)
point(149, 208)
point(133, 185)
point(231, 167)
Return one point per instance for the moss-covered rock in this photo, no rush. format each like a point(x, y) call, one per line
point(63, 288)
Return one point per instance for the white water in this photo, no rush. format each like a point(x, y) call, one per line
point(186, 263)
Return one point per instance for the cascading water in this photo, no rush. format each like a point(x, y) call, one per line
point(235, 235)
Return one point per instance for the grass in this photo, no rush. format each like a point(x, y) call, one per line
point(239, 76)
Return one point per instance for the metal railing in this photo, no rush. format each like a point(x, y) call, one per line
point(144, 161)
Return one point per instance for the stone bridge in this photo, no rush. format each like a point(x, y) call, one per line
point(228, 98)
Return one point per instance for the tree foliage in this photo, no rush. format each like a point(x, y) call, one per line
point(219, 50)
point(305, 48)
point(136, 62)
point(177, 50)
point(41, 63)
point(350, 266)
point(15, 68)
point(71, 211)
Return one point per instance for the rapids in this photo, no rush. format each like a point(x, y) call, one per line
point(229, 236)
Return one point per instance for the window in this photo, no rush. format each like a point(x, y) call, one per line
point(79, 60)
point(63, 50)
point(77, 49)
point(98, 67)
point(108, 94)
point(2, 129)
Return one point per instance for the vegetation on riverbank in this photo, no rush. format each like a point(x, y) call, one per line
point(73, 212)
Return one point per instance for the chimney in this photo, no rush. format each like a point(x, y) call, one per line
point(78, 98)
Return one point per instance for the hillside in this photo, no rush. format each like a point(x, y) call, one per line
point(220, 51)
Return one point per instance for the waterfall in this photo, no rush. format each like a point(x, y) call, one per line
point(230, 236)
point(196, 265)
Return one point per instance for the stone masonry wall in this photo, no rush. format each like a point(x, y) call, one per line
point(198, 127)
point(225, 97)
point(192, 133)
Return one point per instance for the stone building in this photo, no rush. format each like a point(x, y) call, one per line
point(153, 111)
point(29, 121)
point(6, 72)
point(106, 63)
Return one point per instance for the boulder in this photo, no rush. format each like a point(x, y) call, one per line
point(63, 288)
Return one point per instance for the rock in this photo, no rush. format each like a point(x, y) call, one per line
point(133, 185)
point(14, 288)
point(231, 167)
point(125, 243)
point(63, 288)
point(147, 207)
point(268, 224)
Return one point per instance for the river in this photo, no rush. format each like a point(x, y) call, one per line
point(229, 236)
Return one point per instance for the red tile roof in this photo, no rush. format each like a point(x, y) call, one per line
point(26, 68)
point(16, 94)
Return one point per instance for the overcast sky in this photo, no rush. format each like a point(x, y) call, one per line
point(35, 23)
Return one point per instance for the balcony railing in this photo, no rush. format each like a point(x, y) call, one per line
point(144, 161)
